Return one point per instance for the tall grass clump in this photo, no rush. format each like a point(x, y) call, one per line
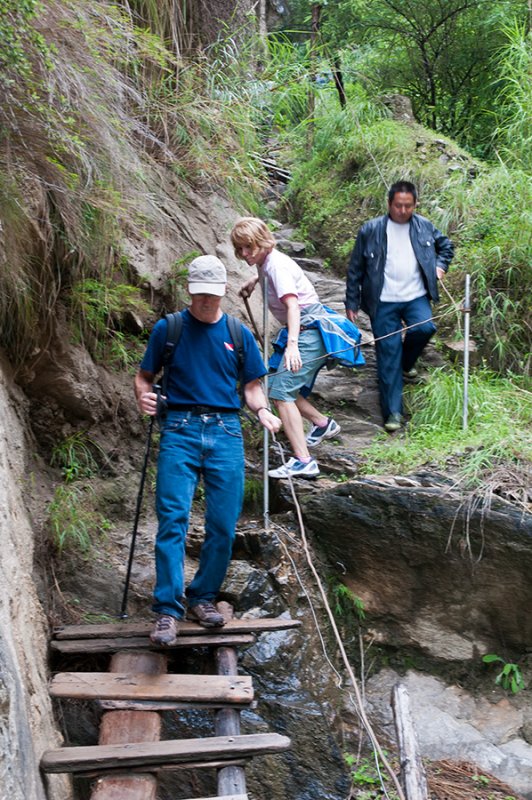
point(77, 456)
point(99, 309)
point(496, 447)
point(357, 154)
point(493, 222)
point(513, 135)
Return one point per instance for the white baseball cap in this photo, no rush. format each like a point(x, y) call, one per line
point(207, 275)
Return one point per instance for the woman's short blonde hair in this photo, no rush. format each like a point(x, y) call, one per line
point(251, 232)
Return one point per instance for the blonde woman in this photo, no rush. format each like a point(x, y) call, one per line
point(304, 342)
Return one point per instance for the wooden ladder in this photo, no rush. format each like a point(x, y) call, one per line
point(137, 688)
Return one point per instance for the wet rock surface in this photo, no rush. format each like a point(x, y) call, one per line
point(432, 574)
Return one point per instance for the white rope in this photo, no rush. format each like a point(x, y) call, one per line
point(372, 340)
point(357, 699)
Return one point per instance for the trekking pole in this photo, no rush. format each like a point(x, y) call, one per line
point(253, 323)
point(467, 310)
point(123, 609)
point(266, 441)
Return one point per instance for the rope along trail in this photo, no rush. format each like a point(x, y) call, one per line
point(356, 695)
point(356, 700)
point(370, 341)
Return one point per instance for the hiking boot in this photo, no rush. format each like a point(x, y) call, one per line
point(296, 469)
point(206, 614)
point(393, 423)
point(165, 629)
point(317, 434)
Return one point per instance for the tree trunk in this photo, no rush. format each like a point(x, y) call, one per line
point(225, 19)
point(316, 13)
point(339, 81)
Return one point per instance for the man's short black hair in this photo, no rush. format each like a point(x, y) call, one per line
point(402, 186)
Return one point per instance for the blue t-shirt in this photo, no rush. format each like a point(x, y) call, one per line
point(204, 366)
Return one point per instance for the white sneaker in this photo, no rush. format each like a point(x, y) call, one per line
point(317, 435)
point(296, 469)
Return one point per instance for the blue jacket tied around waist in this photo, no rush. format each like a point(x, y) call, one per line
point(341, 339)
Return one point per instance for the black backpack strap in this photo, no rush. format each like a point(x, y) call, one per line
point(174, 326)
point(235, 329)
point(237, 337)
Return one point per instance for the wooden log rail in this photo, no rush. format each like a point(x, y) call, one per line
point(121, 727)
point(231, 779)
point(412, 771)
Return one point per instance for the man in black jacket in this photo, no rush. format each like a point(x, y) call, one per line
point(393, 275)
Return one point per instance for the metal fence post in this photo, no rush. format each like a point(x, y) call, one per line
point(467, 310)
point(266, 439)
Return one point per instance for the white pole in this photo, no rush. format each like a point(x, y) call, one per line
point(266, 439)
point(466, 310)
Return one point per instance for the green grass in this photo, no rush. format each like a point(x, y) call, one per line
point(76, 456)
point(497, 443)
point(73, 524)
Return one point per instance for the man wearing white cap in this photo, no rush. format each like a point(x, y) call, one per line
point(200, 437)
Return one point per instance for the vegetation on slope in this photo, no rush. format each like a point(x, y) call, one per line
point(97, 109)
point(102, 100)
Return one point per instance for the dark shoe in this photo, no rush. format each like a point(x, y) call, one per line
point(165, 629)
point(206, 614)
point(296, 469)
point(393, 423)
point(317, 435)
point(410, 374)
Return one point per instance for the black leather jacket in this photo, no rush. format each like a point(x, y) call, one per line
point(365, 274)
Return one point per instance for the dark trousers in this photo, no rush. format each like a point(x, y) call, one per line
point(395, 355)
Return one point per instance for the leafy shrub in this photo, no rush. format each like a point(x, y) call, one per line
point(510, 676)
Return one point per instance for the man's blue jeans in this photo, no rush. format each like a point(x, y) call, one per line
point(191, 446)
point(395, 355)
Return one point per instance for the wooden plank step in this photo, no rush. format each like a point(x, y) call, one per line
point(259, 625)
point(195, 689)
point(178, 751)
point(136, 643)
